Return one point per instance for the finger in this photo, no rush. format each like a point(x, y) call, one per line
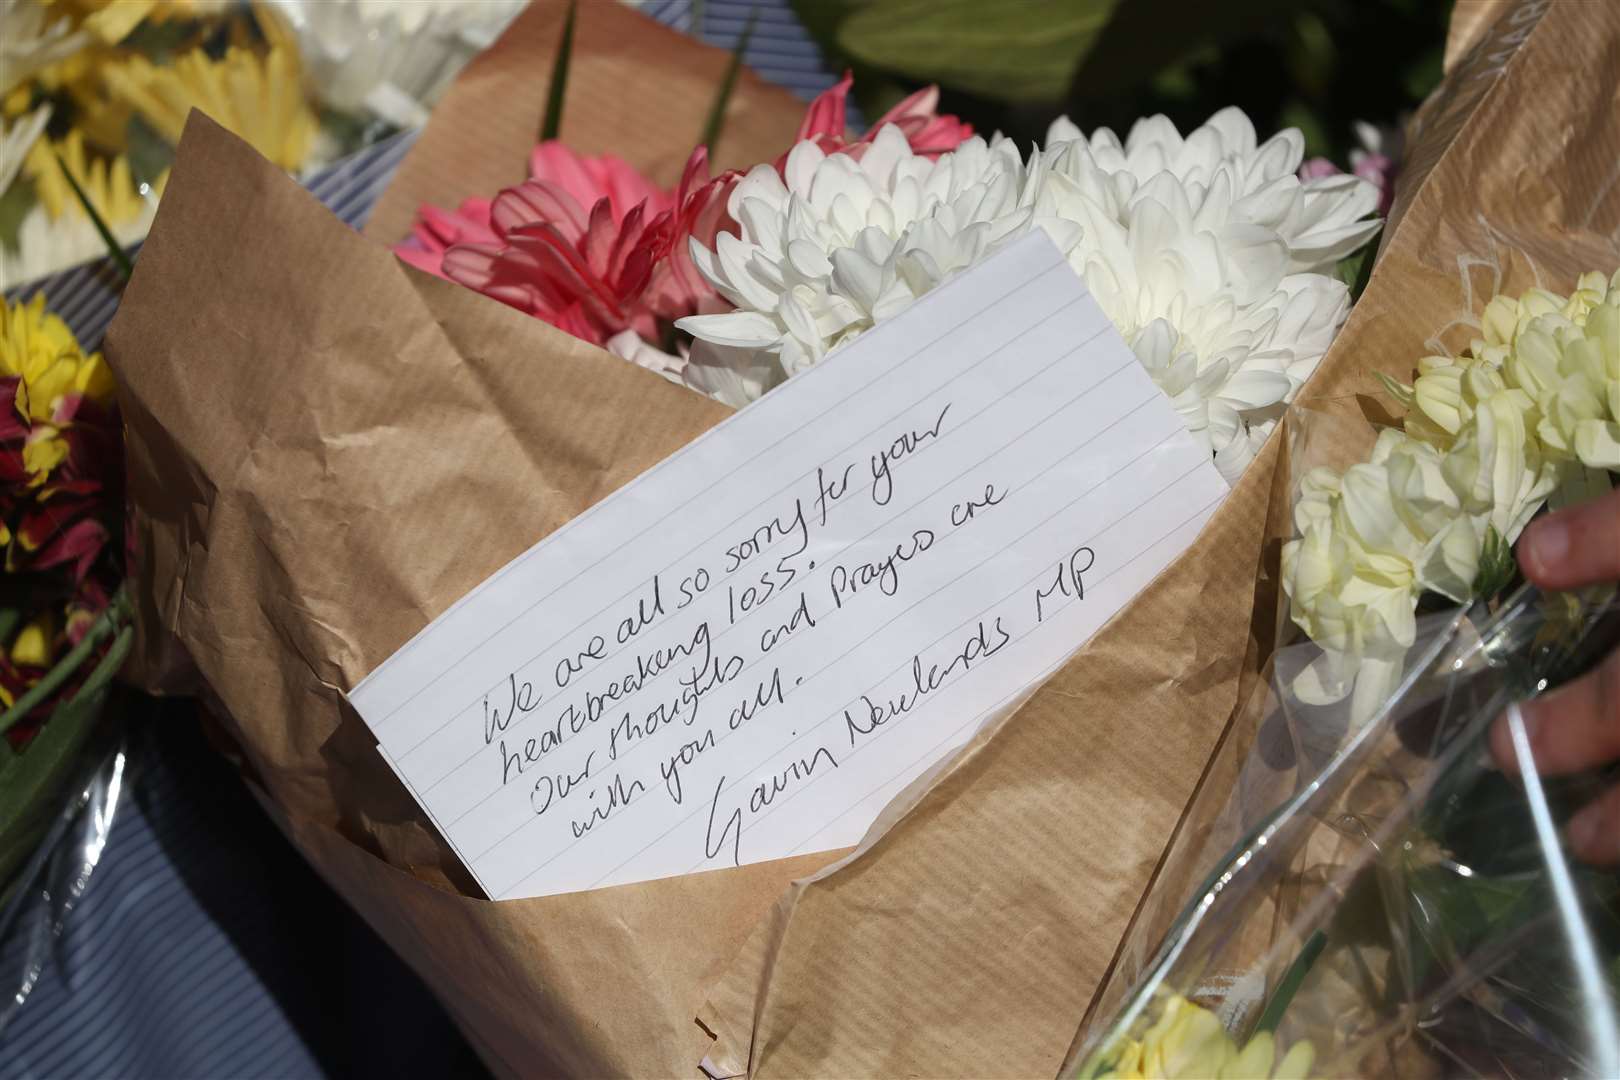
point(1572, 728)
point(1576, 546)
point(1594, 833)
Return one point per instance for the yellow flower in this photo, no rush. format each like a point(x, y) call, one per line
point(108, 185)
point(1187, 1042)
point(38, 349)
point(260, 98)
point(33, 644)
point(113, 20)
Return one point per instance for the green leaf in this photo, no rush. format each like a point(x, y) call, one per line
point(108, 621)
point(1496, 565)
point(1144, 37)
point(559, 78)
point(15, 204)
point(28, 780)
point(115, 251)
point(1012, 50)
point(728, 84)
point(1290, 982)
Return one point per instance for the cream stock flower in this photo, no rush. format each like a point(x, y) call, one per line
point(1576, 373)
point(1531, 413)
point(833, 245)
point(1411, 519)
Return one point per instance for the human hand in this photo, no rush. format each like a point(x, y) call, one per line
point(1576, 726)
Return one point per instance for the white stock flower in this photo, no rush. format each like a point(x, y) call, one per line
point(834, 245)
point(387, 58)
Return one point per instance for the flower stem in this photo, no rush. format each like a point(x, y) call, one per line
point(115, 251)
point(1291, 980)
point(559, 79)
point(728, 84)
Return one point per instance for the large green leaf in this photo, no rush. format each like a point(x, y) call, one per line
point(1008, 50)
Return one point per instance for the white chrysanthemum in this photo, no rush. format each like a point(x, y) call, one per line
point(387, 58)
point(1231, 180)
point(1207, 252)
point(1206, 302)
point(33, 36)
point(838, 245)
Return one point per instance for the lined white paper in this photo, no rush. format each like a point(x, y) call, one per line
point(747, 651)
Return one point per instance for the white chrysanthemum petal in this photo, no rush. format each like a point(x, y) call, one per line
point(745, 329)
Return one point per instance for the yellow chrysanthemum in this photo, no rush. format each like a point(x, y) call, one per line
point(108, 184)
point(1189, 1042)
point(260, 98)
point(41, 352)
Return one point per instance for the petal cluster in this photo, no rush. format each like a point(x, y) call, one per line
point(1207, 252)
point(1532, 408)
point(1188, 1042)
point(58, 442)
point(587, 244)
point(836, 243)
point(390, 60)
point(917, 117)
point(1212, 258)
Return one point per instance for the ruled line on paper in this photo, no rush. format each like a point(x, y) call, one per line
point(830, 588)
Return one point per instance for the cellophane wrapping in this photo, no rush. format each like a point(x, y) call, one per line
point(1381, 899)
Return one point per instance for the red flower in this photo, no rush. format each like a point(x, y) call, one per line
point(928, 132)
point(598, 271)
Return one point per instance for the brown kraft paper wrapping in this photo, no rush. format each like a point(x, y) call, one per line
point(974, 933)
point(327, 449)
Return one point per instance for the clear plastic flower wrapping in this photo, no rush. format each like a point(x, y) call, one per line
point(1381, 899)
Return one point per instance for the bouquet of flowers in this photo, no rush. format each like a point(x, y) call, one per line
point(93, 94)
point(1219, 265)
point(62, 616)
point(1392, 901)
point(1209, 252)
point(1403, 908)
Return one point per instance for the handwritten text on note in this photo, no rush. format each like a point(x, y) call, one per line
point(744, 653)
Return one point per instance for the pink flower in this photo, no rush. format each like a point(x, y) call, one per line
point(437, 230)
point(928, 132)
point(593, 247)
point(1377, 161)
point(590, 246)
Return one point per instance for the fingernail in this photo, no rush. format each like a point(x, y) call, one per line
point(1549, 543)
point(1584, 828)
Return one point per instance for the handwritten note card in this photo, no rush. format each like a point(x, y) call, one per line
point(743, 654)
